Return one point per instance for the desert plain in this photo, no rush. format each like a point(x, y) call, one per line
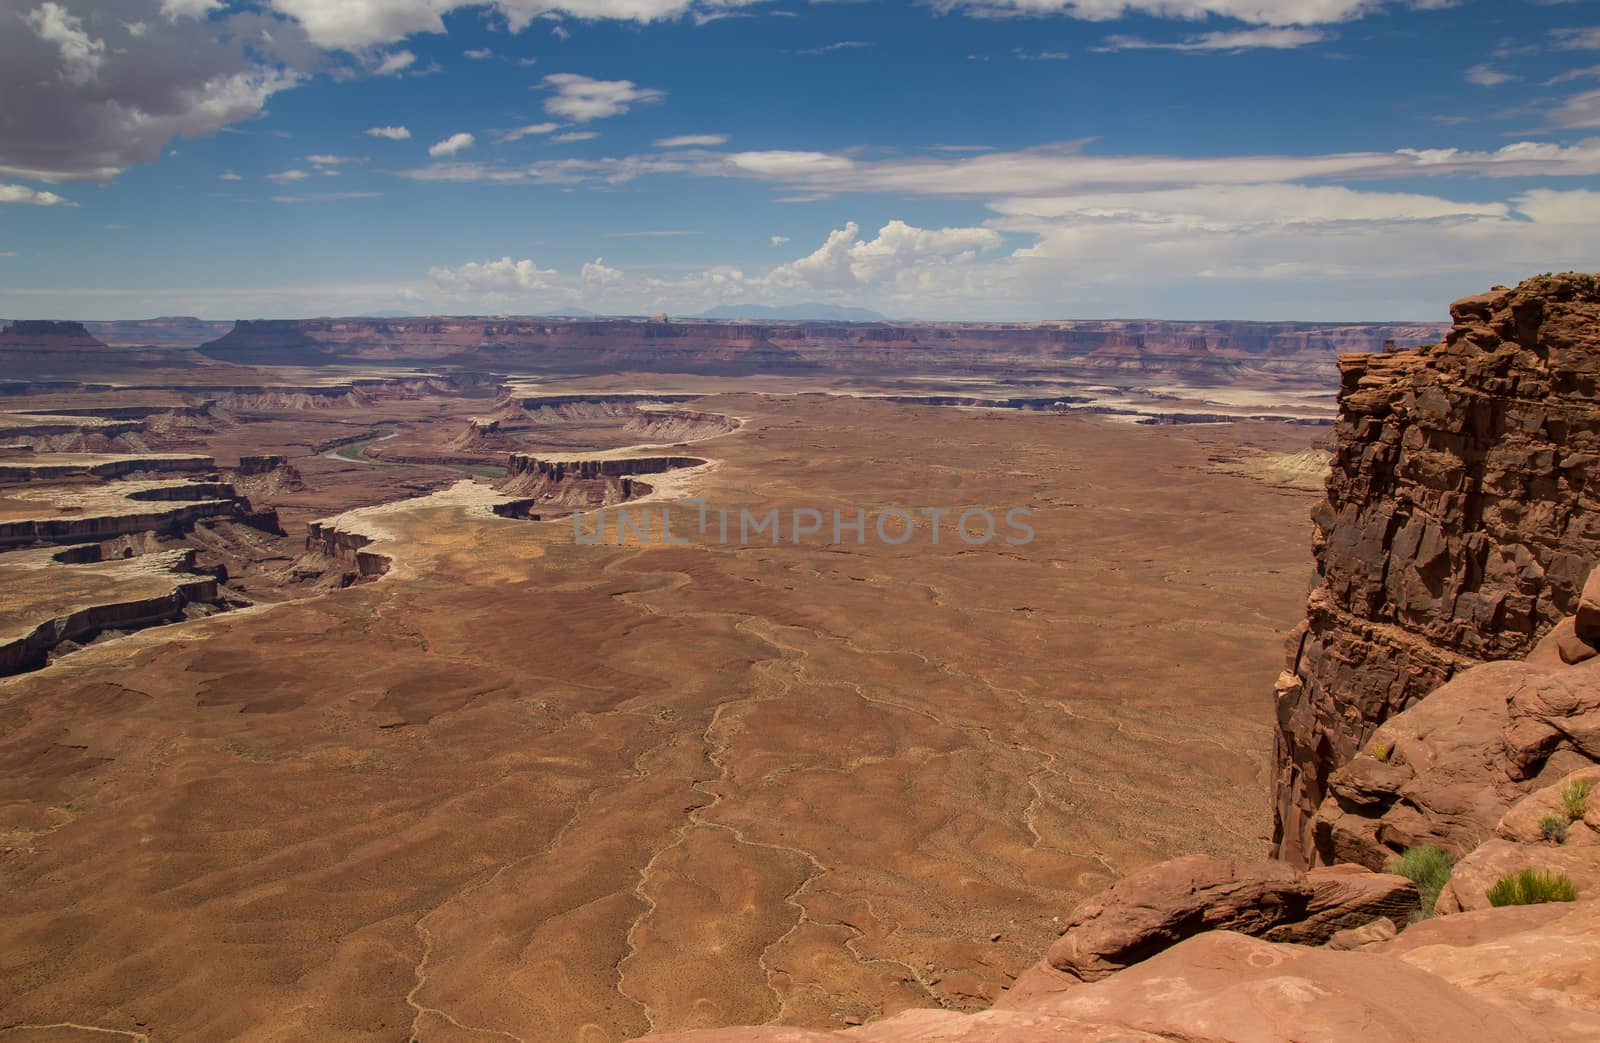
point(510, 784)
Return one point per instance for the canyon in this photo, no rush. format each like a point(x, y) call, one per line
point(325, 721)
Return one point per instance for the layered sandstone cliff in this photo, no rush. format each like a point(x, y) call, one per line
point(1459, 525)
point(1205, 352)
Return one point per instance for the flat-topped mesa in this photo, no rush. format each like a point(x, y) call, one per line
point(521, 464)
point(41, 333)
point(1462, 513)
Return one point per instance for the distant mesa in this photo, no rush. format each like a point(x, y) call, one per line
point(45, 333)
point(812, 312)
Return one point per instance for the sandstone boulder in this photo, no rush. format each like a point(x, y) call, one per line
point(1369, 936)
point(1469, 884)
point(1149, 911)
point(1521, 824)
point(1347, 897)
point(1447, 771)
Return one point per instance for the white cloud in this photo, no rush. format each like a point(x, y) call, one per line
point(693, 141)
point(518, 133)
point(81, 55)
point(176, 9)
point(101, 109)
point(286, 176)
point(451, 145)
point(326, 160)
point(30, 196)
point(228, 175)
point(1548, 206)
point(1486, 76)
point(1580, 110)
point(494, 277)
point(326, 197)
point(842, 45)
point(1573, 74)
point(576, 135)
point(392, 133)
point(900, 259)
point(1258, 12)
point(785, 164)
point(1586, 39)
point(581, 98)
point(394, 63)
point(357, 24)
point(354, 24)
point(1276, 39)
point(778, 240)
point(479, 54)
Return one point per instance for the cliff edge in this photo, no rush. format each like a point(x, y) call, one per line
point(1459, 525)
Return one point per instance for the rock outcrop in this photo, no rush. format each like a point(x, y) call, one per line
point(1459, 525)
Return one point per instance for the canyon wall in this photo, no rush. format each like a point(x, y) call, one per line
point(1200, 351)
point(1459, 526)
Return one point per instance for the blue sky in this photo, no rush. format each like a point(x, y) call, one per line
point(985, 159)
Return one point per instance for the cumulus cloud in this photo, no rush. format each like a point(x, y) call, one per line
point(173, 10)
point(576, 135)
point(494, 277)
point(357, 24)
point(91, 97)
point(81, 55)
point(286, 176)
point(582, 98)
point(899, 260)
point(31, 196)
point(453, 144)
point(392, 133)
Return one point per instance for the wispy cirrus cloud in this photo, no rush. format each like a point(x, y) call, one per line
point(1234, 41)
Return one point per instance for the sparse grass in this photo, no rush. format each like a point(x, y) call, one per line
point(1554, 828)
point(1381, 751)
point(1427, 867)
point(1575, 798)
point(1531, 887)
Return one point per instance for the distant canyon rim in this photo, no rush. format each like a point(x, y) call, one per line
point(319, 723)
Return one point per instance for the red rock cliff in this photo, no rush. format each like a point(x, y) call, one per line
point(1459, 525)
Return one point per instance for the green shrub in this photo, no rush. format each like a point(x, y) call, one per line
point(1428, 868)
point(1381, 751)
point(1575, 798)
point(1532, 886)
point(1553, 827)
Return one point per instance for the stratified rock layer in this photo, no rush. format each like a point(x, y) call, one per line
point(1459, 524)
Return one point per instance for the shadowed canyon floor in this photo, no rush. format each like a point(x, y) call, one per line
point(522, 788)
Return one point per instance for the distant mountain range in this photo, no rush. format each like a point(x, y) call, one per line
point(811, 312)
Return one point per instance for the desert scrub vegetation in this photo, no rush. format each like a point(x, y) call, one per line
point(1575, 798)
point(1553, 828)
point(1381, 751)
point(1531, 887)
point(1427, 867)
